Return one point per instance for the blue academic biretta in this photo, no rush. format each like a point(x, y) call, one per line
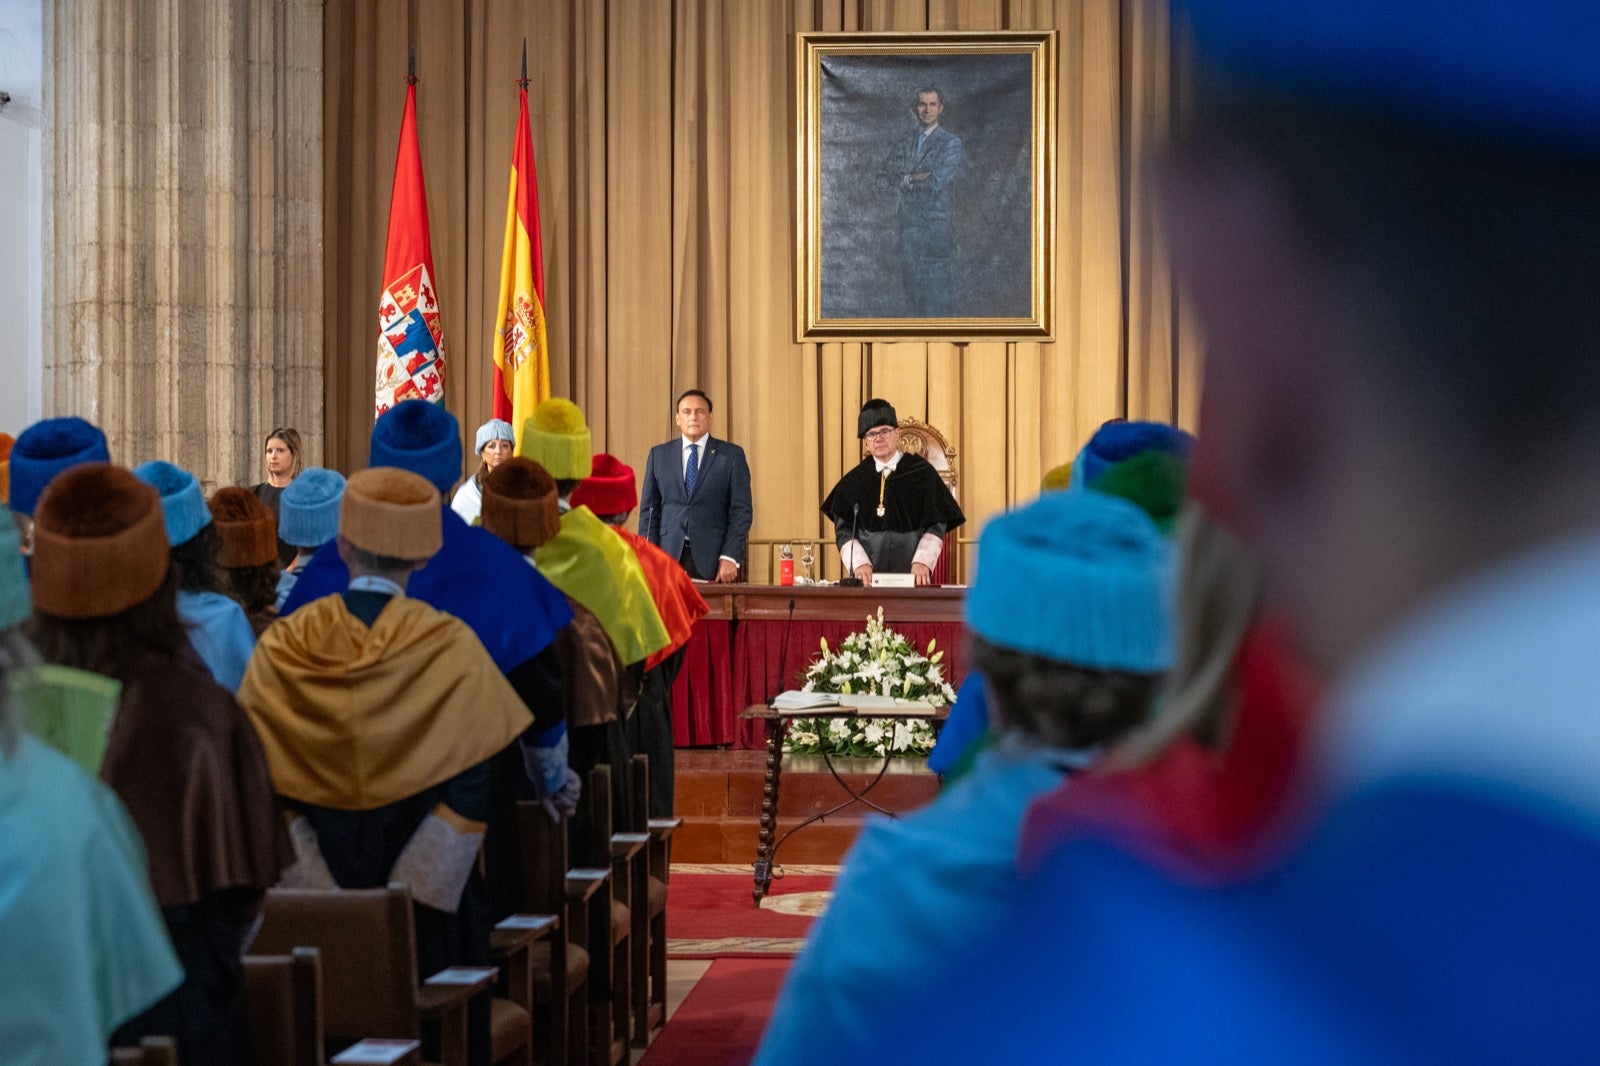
point(494, 429)
point(1116, 441)
point(15, 600)
point(1076, 577)
point(183, 505)
point(1511, 71)
point(308, 510)
point(47, 448)
point(421, 437)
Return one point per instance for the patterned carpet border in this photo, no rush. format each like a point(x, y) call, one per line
point(747, 869)
point(733, 947)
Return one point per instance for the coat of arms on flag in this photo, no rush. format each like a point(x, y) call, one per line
point(410, 341)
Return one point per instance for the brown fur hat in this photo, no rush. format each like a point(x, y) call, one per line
point(99, 543)
point(247, 528)
point(519, 504)
point(392, 512)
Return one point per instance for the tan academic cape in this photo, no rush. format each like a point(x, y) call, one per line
point(356, 718)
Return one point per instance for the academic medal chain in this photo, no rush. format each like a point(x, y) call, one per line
point(883, 482)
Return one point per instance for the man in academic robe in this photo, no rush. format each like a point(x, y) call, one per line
point(891, 513)
point(381, 717)
point(590, 563)
point(180, 753)
point(611, 491)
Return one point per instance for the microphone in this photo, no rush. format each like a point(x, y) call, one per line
point(783, 654)
point(850, 580)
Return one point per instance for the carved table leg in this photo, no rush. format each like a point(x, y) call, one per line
point(776, 728)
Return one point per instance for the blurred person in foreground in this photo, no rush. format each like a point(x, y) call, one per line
point(1071, 623)
point(1388, 220)
point(79, 929)
point(181, 754)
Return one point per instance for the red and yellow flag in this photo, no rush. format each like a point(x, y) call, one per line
point(521, 350)
point(410, 335)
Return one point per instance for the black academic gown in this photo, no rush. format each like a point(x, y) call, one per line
point(915, 502)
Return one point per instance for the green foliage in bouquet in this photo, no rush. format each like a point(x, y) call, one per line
point(881, 662)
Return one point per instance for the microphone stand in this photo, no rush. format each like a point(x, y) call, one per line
point(851, 581)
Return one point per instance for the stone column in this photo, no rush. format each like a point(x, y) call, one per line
point(183, 299)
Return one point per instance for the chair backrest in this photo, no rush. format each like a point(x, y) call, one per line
point(544, 860)
point(596, 821)
point(638, 815)
point(284, 997)
point(369, 955)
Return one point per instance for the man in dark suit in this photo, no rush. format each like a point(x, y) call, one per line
point(695, 503)
point(920, 170)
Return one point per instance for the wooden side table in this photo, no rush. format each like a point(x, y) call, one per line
point(777, 722)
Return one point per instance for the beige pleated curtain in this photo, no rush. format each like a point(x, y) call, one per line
point(663, 135)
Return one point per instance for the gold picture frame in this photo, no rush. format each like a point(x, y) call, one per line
point(911, 229)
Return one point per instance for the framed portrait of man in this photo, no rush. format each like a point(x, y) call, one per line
point(925, 185)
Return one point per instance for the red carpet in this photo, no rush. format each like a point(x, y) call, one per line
point(721, 1021)
point(707, 906)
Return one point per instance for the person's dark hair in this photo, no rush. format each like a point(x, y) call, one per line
point(384, 564)
point(691, 392)
point(931, 89)
point(255, 587)
point(195, 561)
point(1466, 263)
point(614, 519)
point(565, 485)
point(1059, 704)
point(112, 646)
point(291, 439)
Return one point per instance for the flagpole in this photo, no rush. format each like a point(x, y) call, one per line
point(411, 64)
point(522, 82)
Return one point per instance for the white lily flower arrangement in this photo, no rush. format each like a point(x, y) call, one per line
point(881, 662)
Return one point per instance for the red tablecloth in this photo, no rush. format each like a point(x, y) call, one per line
point(702, 696)
point(715, 686)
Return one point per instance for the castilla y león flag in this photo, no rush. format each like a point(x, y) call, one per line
point(410, 336)
point(521, 351)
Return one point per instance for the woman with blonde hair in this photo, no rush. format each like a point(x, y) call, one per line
point(284, 458)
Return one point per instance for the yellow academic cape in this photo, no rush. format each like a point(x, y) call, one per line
point(590, 563)
point(355, 718)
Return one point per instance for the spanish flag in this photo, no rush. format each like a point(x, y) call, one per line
point(410, 335)
point(521, 350)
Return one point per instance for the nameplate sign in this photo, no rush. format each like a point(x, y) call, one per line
point(893, 581)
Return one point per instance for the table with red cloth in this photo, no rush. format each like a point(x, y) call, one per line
point(759, 640)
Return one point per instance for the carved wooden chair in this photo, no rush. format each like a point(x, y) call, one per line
point(919, 438)
point(369, 948)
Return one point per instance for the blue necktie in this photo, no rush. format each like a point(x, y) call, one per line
point(691, 473)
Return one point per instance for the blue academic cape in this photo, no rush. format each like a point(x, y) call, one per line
point(967, 723)
point(1422, 922)
point(478, 578)
point(220, 634)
